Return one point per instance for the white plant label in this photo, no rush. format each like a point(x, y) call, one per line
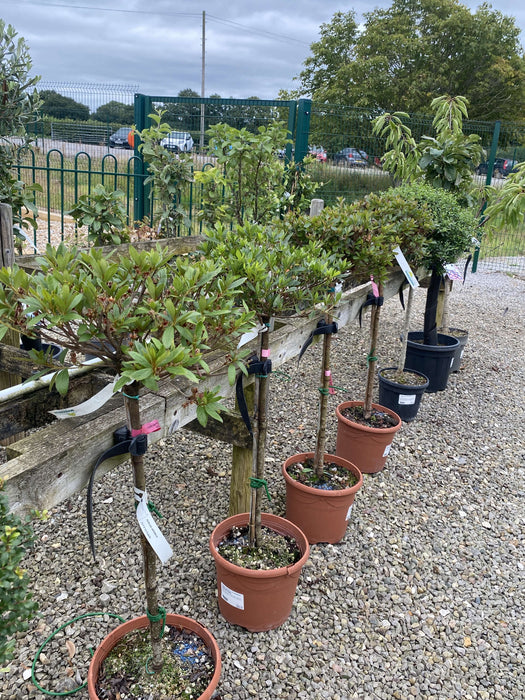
point(461, 354)
point(235, 599)
point(452, 361)
point(89, 406)
point(387, 450)
point(407, 399)
point(250, 335)
point(150, 529)
point(349, 512)
point(403, 264)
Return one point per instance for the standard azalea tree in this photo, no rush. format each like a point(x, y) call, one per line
point(146, 316)
point(281, 279)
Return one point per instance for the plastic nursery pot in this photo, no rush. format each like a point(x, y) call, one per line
point(185, 623)
point(434, 361)
point(404, 399)
point(462, 337)
point(362, 445)
point(258, 600)
point(322, 515)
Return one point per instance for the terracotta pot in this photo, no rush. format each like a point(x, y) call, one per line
point(257, 600)
point(321, 514)
point(361, 445)
point(142, 622)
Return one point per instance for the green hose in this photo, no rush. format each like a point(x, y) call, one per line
point(75, 619)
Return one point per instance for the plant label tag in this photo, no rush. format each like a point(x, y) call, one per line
point(349, 512)
point(89, 406)
point(250, 335)
point(387, 450)
point(407, 399)
point(452, 360)
point(403, 264)
point(150, 529)
point(233, 598)
point(461, 354)
point(452, 272)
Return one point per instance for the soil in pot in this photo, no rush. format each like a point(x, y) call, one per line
point(192, 665)
point(274, 552)
point(378, 419)
point(320, 507)
point(187, 671)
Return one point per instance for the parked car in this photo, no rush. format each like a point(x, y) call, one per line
point(354, 157)
point(318, 152)
point(502, 167)
point(178, 141)
point(120, 138)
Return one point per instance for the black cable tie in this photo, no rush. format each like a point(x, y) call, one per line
point(371, 300)
point(255, 366)
point(322, 328)
point(401, 296)
point(123, 443)
point(465, 269)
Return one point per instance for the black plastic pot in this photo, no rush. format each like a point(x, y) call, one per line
point(404, 399)
point(434, 361)
point(46, 347)
point(462, 337)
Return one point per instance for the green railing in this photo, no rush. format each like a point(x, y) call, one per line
point(65, 173)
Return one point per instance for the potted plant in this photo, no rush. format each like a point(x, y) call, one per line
point(321, 487)
point(257, 591)
point(444, 162)
point(145, 315)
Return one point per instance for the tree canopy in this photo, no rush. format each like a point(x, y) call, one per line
point(115, 112)
point(415, 49)
point(56, 105)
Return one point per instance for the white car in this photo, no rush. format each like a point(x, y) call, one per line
point(178, 141)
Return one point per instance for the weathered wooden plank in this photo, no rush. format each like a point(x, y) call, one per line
point(181, 246)
point(232, 430)
point(32, 411)
point(54, 463)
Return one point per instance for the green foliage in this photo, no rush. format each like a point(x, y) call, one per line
point(506, 205)
point(19, 103)
point(104, 213)
point(61, 107)
point(280, 278)
point(146, 314)
point(366, 231)
point(453, 226)
point(249, 182)
point(16, 604)
point(446, 160)
point(169, 174)
point(115, 112)
point(409, 51)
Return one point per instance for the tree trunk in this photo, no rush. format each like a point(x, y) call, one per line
point(372, 359)
point(430, 324)
point(320, 447)
point(148, 554)
point(259, 437)
point(447, 289)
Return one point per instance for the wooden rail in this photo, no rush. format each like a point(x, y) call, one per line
point(54, 463)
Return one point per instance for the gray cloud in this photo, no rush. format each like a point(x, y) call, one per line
point(252, 48)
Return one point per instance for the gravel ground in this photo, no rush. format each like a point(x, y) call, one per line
point(425, 596)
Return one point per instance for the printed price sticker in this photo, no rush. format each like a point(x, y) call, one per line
point(233, 598)
point(407, 399)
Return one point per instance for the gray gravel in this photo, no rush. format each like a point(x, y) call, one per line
point(423, 599)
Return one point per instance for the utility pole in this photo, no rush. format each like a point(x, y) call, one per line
point(203, 70)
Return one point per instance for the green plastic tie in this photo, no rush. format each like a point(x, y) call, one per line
point(161, 615)
point(324, 391)
point(259, 483)
point(153, 509)
point(371, 358)
point(282, 375)
point(130, 397)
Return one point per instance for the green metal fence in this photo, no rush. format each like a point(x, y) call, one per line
point(67, 169)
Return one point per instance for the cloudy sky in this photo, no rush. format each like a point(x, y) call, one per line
point(253, 47)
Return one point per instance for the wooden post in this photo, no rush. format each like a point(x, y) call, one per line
point(7, 259)
point(242, 465)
